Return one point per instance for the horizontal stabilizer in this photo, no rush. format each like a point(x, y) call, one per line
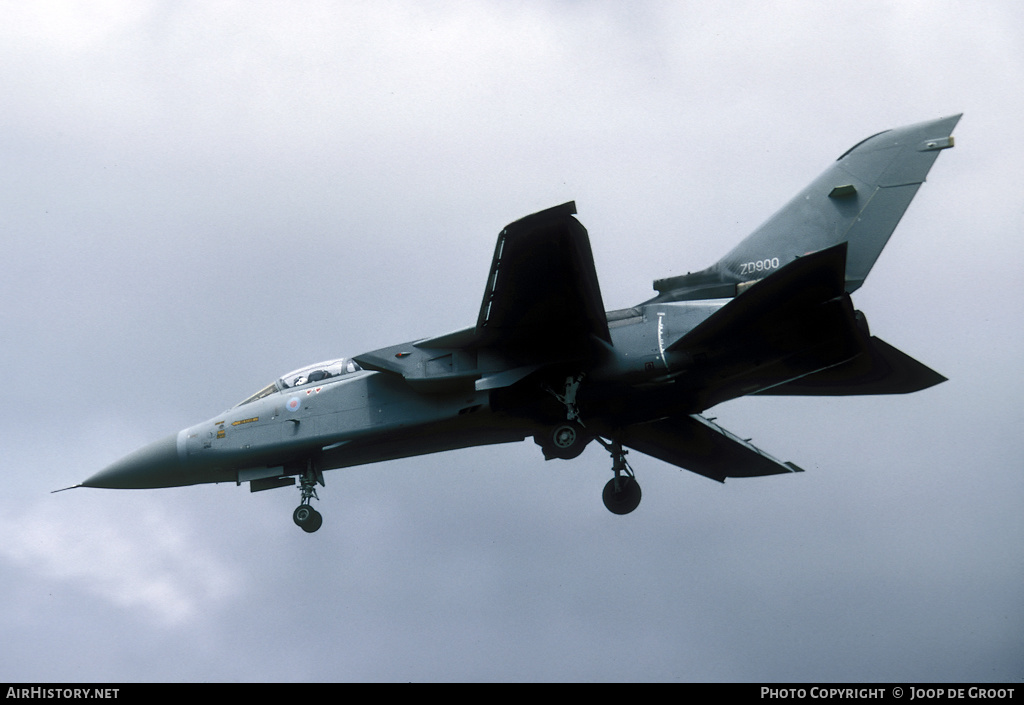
point(697, 444)
point(793, 323)
point(881, 369)
point(770, 304)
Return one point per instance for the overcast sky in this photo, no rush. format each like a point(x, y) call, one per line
point(196, 197)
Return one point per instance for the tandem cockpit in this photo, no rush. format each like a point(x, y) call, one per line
point(309, 374)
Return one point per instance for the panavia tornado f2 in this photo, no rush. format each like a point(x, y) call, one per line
point(545, 361)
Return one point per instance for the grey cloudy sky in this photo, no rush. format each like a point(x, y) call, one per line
point(196, 197)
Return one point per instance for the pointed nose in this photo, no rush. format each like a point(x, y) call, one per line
point(157, 465)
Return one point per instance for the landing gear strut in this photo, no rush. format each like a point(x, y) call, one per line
point(566, 439)
point(568, 399)
point(622, 493)
point(304, 516)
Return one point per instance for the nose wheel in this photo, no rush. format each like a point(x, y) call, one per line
point(307, 518)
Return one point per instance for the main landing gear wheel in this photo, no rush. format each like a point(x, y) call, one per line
point(621, 495)
point(307, 518)
point(565, 441)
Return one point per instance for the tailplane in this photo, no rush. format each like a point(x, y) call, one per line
point(879, 369)
point(796, 333)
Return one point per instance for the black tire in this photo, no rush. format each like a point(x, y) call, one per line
point(303, 516)
point(626, 499)
point(314, 523)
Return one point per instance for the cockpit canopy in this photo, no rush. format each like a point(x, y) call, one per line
point(319, 372)
point(309, 374)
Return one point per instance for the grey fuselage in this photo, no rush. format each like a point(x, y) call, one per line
point(544, 359)
point(367, 416)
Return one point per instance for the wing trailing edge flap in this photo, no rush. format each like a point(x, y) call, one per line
point(701, 446)
point(542, 305)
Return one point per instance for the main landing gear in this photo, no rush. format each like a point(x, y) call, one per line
point(622, 493)
point(304, 516)
point(567, 439)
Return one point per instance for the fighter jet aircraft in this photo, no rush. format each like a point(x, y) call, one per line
point(545, 361)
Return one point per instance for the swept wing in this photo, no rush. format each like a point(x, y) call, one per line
point(542, 305)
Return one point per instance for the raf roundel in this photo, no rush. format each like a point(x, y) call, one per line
point(293, 404)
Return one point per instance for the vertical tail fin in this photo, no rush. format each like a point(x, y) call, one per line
point(859, 200)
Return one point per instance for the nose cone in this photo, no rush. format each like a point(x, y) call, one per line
point(157, 465)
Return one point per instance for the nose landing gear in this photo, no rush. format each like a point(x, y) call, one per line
point(304, 516)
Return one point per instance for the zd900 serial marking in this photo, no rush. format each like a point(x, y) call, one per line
point(762, 265)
